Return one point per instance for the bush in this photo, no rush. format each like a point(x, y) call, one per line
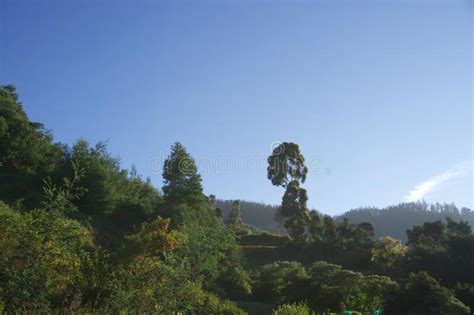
point(41, 259)
point(275, 280)
point(293, 309)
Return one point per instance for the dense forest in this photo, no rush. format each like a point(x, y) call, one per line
point(79, 234)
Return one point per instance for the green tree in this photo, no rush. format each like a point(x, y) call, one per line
point(101, 180)
point(315, 226)
point(286, 168)
point(375, 292)
point(25, 146)
point(62, 197)
point(210, 252)
point(329, 229)
point(286, 164)
point(421, 294)
point(181, 179)
point(153, 238)
point(276, 282)
point(152, 280)
point(27, 153)
point(446, 251)
point(388, 251)
point(234, 222)
point(109, 191)
point(293, 212)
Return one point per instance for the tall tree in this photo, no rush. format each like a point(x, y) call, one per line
point(286, 168)
point(234, 221)
point(286, 164)
point(315, 226)
point(293, 213)
point(210, 252)
point(181, 179)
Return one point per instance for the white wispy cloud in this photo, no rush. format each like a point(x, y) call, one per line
point(432, 184)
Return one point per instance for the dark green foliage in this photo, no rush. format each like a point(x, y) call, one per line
point(315, 225)
point(286, 164)
point(343, 243)
point(422, 294)
point(446, 251)
point(25, 147)
point(181, 180)
point(274, 281)
point(256, 308)
point(286, 168)
point(108, 188)
point(264, 239)
point(34, 170)
point(27, 154)
point(293, 213)
point(63, 197)
point(234, 222)
point(465, 293)
point(262, 255)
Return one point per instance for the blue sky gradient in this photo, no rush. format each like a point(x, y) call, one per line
point(377, 94)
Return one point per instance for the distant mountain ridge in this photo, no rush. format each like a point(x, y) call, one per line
point(393, 220)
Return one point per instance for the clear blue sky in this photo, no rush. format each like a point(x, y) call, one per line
point(377, 94)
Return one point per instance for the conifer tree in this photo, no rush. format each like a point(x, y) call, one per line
point(234, 221)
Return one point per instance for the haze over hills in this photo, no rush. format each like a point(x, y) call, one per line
point(393, 220)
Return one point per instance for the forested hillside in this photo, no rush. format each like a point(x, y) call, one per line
point(393, 220)
point(81, 235)
point(253, 213)
point(397, 219)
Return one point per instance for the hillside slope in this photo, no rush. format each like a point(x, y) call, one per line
point(394, 220)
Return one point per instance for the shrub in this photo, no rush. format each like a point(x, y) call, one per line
point(293, 309)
